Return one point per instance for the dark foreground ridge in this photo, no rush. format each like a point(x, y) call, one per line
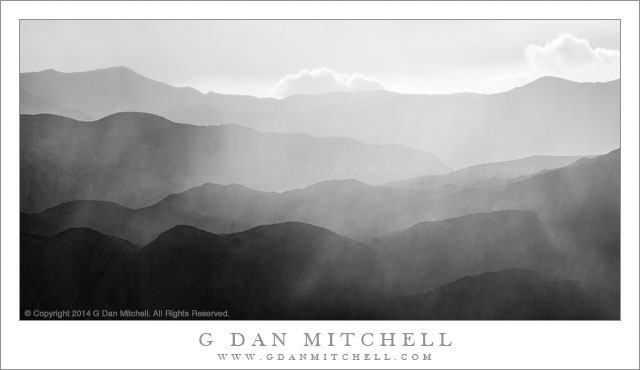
point(503, 295)
point(282, 271)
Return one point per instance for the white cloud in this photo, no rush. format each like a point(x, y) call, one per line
point(323, 80)
point(565, 56)
point(573, 58)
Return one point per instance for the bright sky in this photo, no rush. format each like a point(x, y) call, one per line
point(280, 58)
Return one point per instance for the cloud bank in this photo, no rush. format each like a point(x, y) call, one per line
point(323, 80)
point(573, 58)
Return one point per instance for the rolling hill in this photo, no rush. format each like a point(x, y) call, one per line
point(136, 159)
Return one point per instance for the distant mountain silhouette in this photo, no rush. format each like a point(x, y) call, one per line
point(99, 93)
point(430, 254)
point(136, 159)
point(485, 175)
point(538, 118)
point(75, 269)
point(514, 294)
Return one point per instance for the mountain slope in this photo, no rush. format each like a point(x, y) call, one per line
point(348, 207)
point(289, 270)
point(430, 254)
point(31, 104)
point(136, 159)
point(582, 199)
point(577, 205)
point(282, 271)
point(102, 92)
point(485, 175)
point(503, 295)
point(139, 226)
point(577, 211)
point(547, 112)
point(75, 269)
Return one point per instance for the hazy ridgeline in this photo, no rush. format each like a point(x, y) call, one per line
point(547, 116)
point(577, 240)
point(135, 211)
point(136, 159)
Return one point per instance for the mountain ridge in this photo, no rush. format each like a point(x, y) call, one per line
point(438, 123)
point(125, 69)
point(488, 174)
point(136, 159)
point(512, 294)
point(187, 268)
point(349, 207)
point(429, 254)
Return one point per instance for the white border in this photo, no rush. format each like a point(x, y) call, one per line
point(174, 344)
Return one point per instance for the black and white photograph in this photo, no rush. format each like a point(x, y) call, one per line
point(319, 184)
point(320, 169)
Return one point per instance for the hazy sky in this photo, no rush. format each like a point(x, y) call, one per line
point(280, 58)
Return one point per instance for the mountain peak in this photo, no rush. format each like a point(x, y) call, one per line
point(122, 70)
point(500, 216)
point(350, 183)
point(86, 238)
point(136, 118)
point(117, 69)
point(185, 235)
point(289, 226)
point(234, 186)
point(554, 82)
point(545, 82)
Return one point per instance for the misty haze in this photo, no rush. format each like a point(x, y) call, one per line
point(342, 184)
